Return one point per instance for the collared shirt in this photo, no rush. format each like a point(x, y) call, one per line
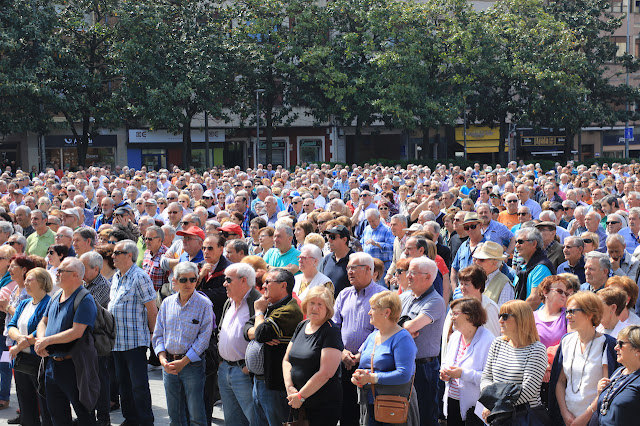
point(276, 259)
point(498, 233)
point(39, 244)
point(232, 344)
point(99, 289)
point(271, 221)
point(350, 315)
point(507, 293)
point(383, 236)
point(431, 304)
point(101, 220)
point(534, 208)
point(464, 256)
point(129, 293)
point(341, 186)
point(631, 240)
point(628, 267)
point(197, 259)
point(184, 329)
point(577, 270)
point(151, 265)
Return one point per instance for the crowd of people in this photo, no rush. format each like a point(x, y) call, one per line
point(495, 295)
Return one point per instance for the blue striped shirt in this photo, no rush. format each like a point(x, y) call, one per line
point(129, 293)
point(383, 236)
point(184, 329)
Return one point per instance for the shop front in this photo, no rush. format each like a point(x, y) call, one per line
point(62, 151)
point(482, 143)
point(541, 143)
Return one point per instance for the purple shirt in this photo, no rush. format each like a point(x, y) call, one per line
point(551, 332)
point(350, 315)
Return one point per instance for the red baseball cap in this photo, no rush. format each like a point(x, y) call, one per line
point(194, 230)
point(231, 228)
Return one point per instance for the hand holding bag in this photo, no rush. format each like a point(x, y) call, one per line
point(389, 408)
point(301, 419)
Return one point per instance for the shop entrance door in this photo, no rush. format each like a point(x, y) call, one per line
point(234, 154)
point(154, 159)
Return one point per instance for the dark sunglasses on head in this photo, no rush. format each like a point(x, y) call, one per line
point(587, 240)
point(505, 316)
point(467, 227)
point(183, 280)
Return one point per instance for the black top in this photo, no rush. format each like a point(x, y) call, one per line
point(337, 271)
point(213, 287)
point(304, 357)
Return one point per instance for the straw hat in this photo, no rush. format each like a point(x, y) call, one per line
point(490, 250)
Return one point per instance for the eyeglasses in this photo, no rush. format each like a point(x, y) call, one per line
point(383, 208)
point(208, 198)
point(467, 227)
point(587, 240)
point(12, 243)
point(400, 271)
point(353, 267)
point(149, 238)
point(505, 316)
point(208, 248)
point(567, 208)
point(522, 214)
point(186, 222)
point(457, 220)
point(51, 223)
point(172, 198)
point(228, 279)
point(118, 252)
point(409, 272)
point(51, 252)
point(613, 222)
point(304, 257)
point(60, 271)
point(621, 343)
point(183, 280)
point(561, 292)
point(225, 234)
point(267, 282)
point(237, 185)
point(295, 202)
point(512, 201)
point(112, 242)
point(572, 312)
point(521, 241)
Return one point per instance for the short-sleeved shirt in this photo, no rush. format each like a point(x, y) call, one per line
point(39, 244)
point(61, 316)
point(464, 255)
point(129, 293)
point(337, 271)
point(279, 260)
point(535, 277)
point(431, 304)
point(498, 233)
point(304, 357)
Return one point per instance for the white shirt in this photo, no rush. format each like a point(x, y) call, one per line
point(232, 345)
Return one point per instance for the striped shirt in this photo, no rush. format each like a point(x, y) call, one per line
point(454, 389)
point(525, 366)
point(184, 329)
point(99, 289)
point(129, 293)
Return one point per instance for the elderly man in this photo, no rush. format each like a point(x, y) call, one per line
point(79, 202)
point(84, 239)
point(613, 224)
point(509, 216)
point(523, 193)
point(335, 263)
point(174, 215)
point(536, 266)
point(630, 233)
point(622, 263)
point(573, 250)
point(271, 209)
point(277, 314)
point(64, 236)
point(6, 230)
point(377, 239)
point(524, 215)
point(151, 209)
point(495, 231)
point(489, 256)
point(99, 288)
point(18, 242)
point(236, 250)
point(72, 218)
point(551, 247)
point(423, 313)
point(283, 255)
point(568, 208)
point(39, 241)
point(62, 325)
point(133, 305)
point(596, 269)
point(180, 337)
point(351, 307)
point(398, 227)
point(154, 240)
point(236, 388)
point(463, 257)
point(107, 204)
point(23, 218)
point(592, 222)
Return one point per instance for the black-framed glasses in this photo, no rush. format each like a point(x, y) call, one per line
point(51, 252)
point(228, 279)
point(505, 316)
point(354, 267)
point(573, 311)
point(295, 202)
point(119, 252)
point(208, 248)
point(620, 343)
point(467, 227)
point(512, 201)
point(587, 240)
point(147, 239)
point(332, 236)
point(207, 198)
point(225, 234)
point(522, 214)
point(12, 243)
point(521, 241)
point(60, 271)
point(613, 222)
point(183, 280)
point(267, 282)
point(185, 223)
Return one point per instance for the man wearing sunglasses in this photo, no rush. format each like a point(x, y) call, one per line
point(154, 239)
point(181, 336)
point(464, 256)
point(535, 268)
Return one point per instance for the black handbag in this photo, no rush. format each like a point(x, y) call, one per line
point(302, 421)
point(27, 363)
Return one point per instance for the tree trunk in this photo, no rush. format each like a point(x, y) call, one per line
point(82, 143)
point(186, 141)
point(504, 132)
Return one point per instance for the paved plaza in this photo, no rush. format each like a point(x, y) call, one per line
point(157, 398)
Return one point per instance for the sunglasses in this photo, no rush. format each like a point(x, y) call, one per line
point(588, 240)
point(237, 186)
point(51, 252)
point(467, 227)
point(149, 238)
point(620, 343)
point(225, 234)
point(505, 316)
point(172, 198)
point(228, 279)
point(183, 280)
point(522, 214)
point(118, 252)
point(208, 198)
point(60, 271)
point(521, 241)
point(572, 312)
point(383, 208)
point(208, 248)
point(512, 201)
point(613, 222)
point(184, 223)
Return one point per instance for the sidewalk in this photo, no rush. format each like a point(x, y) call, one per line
point(157, 398)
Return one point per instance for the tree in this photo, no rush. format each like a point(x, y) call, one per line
point(175, 63)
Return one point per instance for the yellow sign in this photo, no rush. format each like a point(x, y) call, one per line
point(480, 139)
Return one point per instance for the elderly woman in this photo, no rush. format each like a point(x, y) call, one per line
point(517, 356)
point(618, 396)
point(310, 258)
point(311, 364)
point(630, 287)
point(551, 321)
point(591, 241)
point(383, 208)
point(583, 358)
point(392, 351)
point(489, 256)
point(462, 368)
point(22, 329)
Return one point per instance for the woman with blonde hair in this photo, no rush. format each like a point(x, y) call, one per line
point(591, 241)
point(311, 364)
point(517, 356)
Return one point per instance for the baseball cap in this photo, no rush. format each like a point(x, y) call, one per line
point(341, 230)
point(231, 228)
point(194, 230)
point(71, 212)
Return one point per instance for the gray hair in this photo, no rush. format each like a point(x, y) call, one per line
point(129, 246)
point(616, 237)
point(603, 259)
point(435, 225)
point(93, 258)
point(66, 231)
point(362, 258)
point(243, 270)
point(569, 204)
point(20, 239)
point(597, 215)
point(549, 215)
point(580, 211)
point(6, 227)
point(75, 265)
point(635, 211)
point(158, 230)
point(144, 219)
point(313, 250)
point(577, 241)
point(372, 212)
point(287, 229)
point(43, 214)
point(24, 209)
point(184, 268)
point(400, 217)
point(86, 233)
point(167, 230)
point(532, 234)
point(425, 264)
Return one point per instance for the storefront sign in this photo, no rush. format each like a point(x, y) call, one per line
point(162, 136)
point(61, 141)
point(274, 145)
point(543, 140)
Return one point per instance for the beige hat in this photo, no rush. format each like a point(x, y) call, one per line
point(413, 228)
point(490, 250)
point(471, 217)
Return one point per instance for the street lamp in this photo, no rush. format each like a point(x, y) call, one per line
point(258, 92)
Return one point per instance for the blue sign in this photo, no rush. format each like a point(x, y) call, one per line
point(628, 133)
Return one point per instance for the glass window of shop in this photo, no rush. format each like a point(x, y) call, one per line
point(278, 153)
point(310, 151)
point(67, 158)
point(154, 159)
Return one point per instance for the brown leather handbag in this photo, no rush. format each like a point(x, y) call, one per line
point(390, 408)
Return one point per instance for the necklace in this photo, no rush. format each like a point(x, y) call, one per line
point(584, 365)
point(615, 386)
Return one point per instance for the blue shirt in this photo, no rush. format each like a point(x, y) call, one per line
point(534, 208)
point(383, 236)
point(274, 258)
point(129, 293)
point(341, 186)
point(630, 239)
point(184, 329)
point(534, 278)
point(184, 257)
point(498, 233)
point(60, 317)
point(464, 256)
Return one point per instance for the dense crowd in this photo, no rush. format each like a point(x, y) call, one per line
point(323, 294)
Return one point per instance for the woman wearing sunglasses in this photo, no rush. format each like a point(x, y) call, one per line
point(55, 255)
point(582, 359)
point(517, 357)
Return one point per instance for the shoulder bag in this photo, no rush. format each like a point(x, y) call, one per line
point(389, 408)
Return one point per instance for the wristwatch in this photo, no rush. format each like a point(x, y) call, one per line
point(301, 398)
point(259, 313)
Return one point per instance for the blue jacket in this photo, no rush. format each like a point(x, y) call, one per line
point(32, 325)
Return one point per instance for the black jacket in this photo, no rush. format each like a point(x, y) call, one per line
point(537, 259)
point(213, 287)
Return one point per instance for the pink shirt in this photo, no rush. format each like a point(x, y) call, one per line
point(5, 292)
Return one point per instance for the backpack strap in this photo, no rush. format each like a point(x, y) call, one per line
point(81, 294)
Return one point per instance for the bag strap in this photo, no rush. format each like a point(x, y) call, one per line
point(373, 352)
